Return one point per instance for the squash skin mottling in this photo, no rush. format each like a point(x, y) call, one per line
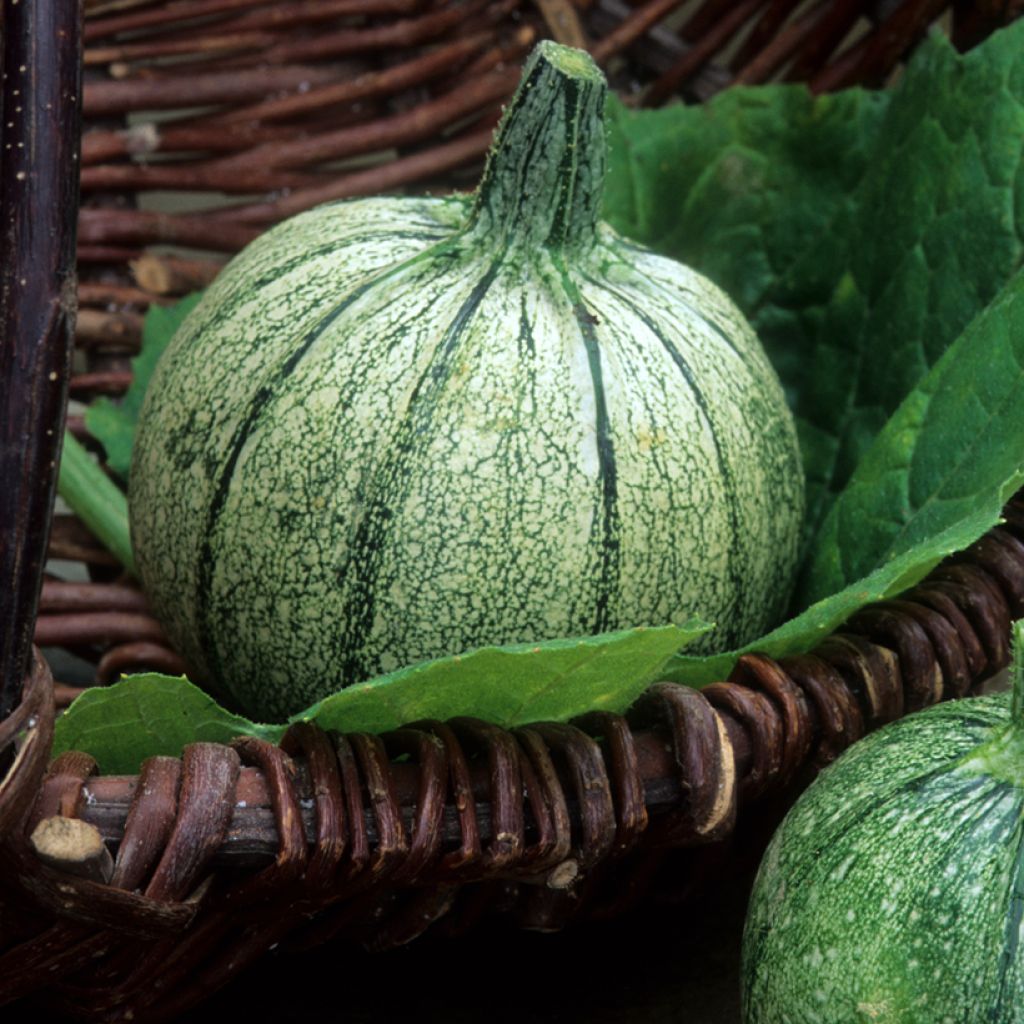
point(396, 429)
point(894, 889)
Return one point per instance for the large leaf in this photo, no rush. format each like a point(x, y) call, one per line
point(113, 424)
point(952, 454)
point(145, 715)
point(938, 233)
point(934, 480)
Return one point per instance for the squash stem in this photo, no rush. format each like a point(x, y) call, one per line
point(1002, 757)
point(96, 500)
point(545, 172)
point(1017, 674)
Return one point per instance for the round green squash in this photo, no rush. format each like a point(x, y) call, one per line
point(893, 891)
point(400, 428)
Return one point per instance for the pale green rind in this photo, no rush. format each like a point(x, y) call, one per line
point(891, 892)
point(410, 440)
point(739, 478)
point(197, 396)
point(508, 427)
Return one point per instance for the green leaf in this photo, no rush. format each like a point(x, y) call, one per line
point(151, 714)
point(144, 716)
point(937, 234)
point(113, 424)
point(952, 454)
point(934, 480)
point(512, 685)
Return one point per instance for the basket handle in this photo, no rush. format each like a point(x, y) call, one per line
point(40, 130)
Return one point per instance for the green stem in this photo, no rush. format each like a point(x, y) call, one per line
point(1002, 757)
point(1017, 673)
point(545, 173)
point(96, 500)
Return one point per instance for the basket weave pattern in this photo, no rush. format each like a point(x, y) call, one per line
point(231, 849)
point(234, 848)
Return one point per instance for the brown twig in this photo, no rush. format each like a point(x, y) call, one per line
point(389, 175)
point(842, 70)
point(76, 628)
point(511, 50)
point(169, 56)
point(147, 137)
point(110, 295)
point(144, 227)
point(173, 275)
point(974, 22)
point(767, 62)
point(253, 840)
point(835, 22)
point(109, 330)
point(700, 54)
point(701, 21)
point(71, 540)
point(65, 596)
point(764, 30)
point(388, 82)
point(412, 125)
point(38, 197)
point(170, 15)
point(192, 177)
point(102, 382)
point(889, 41)
point(107, 254)
point(632, 28)
point(165, 14)
point(95, 8)
point(139, 655)
point(393, 36)
point(312, 12)
point(191, 47)
point(175, 92)
point(73, 847)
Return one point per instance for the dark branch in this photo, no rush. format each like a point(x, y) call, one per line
point(38, 202)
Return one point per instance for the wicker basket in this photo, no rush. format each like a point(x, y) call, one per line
point(233, 849)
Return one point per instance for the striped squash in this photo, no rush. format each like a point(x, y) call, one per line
point(894, 889)
point(399, 428)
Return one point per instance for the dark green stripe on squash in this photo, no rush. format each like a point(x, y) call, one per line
point(361, 572)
